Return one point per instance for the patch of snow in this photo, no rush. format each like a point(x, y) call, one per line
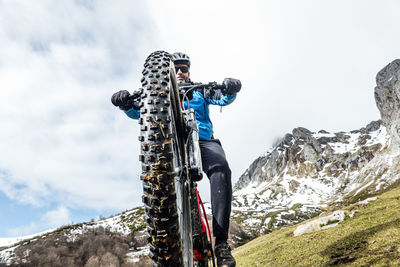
point(321, 223)
point(318, 135)
point(365, 201)
point(352, 213)
point(363, 187)
point(269, 150)
point(329, 225)
point(134, 256)
point(27, 253)
point(9, 241)
point(7, 255)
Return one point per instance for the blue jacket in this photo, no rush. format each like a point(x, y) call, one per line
point(200, 104)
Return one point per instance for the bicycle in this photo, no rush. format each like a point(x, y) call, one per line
point(176, 220)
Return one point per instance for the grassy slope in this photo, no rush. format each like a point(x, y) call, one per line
point(370, 238)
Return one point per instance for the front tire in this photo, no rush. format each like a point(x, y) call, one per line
point(165, 191)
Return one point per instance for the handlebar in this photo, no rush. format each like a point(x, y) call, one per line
point(186, 89)
point(193, 86)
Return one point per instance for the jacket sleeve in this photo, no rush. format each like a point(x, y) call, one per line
point(132, 113)
point(221, 99)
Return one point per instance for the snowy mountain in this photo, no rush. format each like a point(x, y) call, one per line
point(113, 241)
point(308, 172)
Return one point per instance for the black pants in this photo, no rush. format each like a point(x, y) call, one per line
point(217, 169)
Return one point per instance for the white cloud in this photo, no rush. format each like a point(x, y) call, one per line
point(62, 137)
point(56, 218)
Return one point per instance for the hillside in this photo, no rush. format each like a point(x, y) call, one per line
point(371, 237)
point(116, 241)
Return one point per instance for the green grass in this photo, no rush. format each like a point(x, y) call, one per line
point(370, 238)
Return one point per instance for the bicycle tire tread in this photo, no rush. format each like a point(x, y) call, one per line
point(159, 197)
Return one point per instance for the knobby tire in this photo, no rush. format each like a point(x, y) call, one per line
point(165, 191)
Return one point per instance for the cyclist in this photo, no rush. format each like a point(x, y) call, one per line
point(213, 157)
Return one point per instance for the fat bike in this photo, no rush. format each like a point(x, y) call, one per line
point(177, 226)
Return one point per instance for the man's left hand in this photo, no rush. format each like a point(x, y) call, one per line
point(232, 86)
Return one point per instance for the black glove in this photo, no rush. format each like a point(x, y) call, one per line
point(124, 100)
point(232, 86)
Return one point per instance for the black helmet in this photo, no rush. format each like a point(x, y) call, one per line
point(181, 58)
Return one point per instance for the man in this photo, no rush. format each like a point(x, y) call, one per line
point(213, 157)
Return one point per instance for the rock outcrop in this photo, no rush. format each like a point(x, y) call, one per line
point(387, 97)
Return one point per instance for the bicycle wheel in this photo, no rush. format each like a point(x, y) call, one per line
point(166, 191)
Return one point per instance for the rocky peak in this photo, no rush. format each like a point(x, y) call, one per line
point(387, 97)
point(301, 133)
point(305, 154)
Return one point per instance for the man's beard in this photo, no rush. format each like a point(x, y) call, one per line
point(182, 80)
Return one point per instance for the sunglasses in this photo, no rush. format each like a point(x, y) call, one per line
point(184, 69)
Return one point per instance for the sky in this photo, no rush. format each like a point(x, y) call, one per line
point(68, 155)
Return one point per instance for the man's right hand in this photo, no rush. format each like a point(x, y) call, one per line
point(124, 100)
